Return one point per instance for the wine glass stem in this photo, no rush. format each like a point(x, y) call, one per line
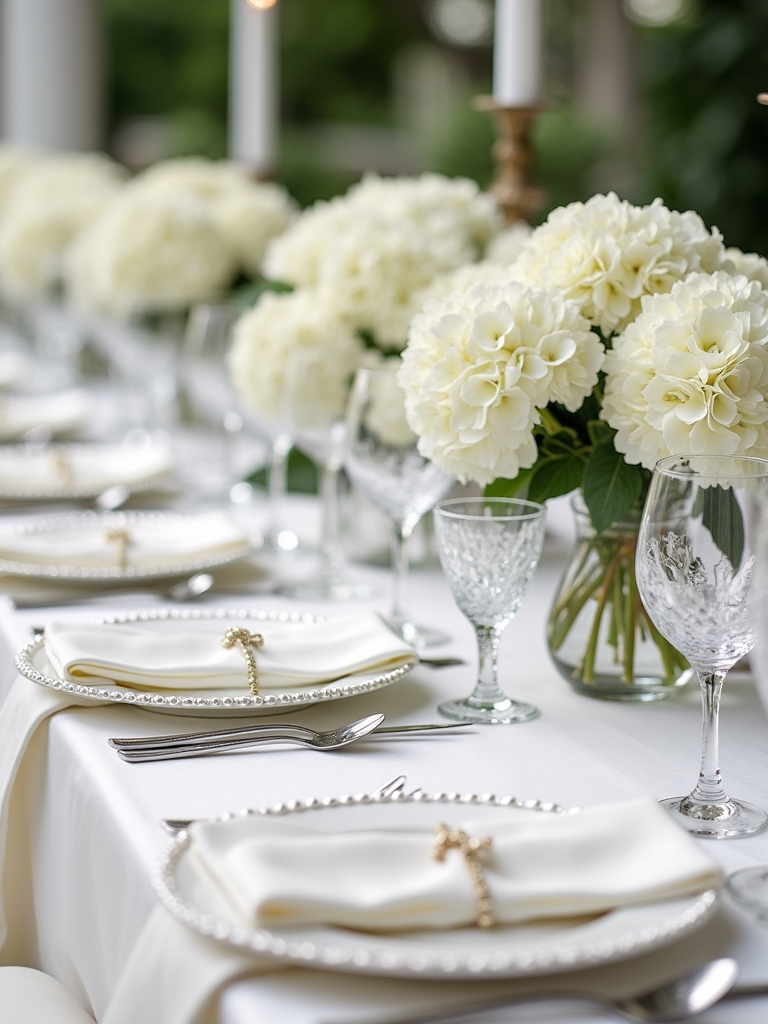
point(278, 478)
point(401, 535)
point(709, 789)
point(487, 689)
point(329, 543)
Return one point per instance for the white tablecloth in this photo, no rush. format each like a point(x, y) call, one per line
point(94, 832)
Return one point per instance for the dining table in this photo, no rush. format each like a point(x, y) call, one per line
point(83, 829)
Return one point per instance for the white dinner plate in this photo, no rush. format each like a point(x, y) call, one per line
point(79, 470)
point(32, 662)
point(501, 952)
point(82, 524)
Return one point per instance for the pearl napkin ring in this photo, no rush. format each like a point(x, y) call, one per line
point(247, 640)
point(470, 847)
point(121, 538)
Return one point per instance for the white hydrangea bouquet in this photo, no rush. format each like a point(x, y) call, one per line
point(181, 232)
point(619, 335)
point(356, 268)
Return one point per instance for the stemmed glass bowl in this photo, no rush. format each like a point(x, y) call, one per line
point(383, 462)
point(489, 549)
point(696, 571)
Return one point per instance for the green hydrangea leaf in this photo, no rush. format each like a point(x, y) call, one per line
point(611, 486)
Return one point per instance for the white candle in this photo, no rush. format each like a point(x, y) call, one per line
point(517, 57)
point(253, 85)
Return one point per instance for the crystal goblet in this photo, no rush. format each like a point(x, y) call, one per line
point(489, 549)
point(383, 462)
point(695, 571)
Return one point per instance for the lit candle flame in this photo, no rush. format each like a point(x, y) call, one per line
point(262, 5)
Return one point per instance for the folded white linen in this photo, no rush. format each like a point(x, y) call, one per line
point(281, 873)
point(80, 468)
point(59, 412)
point(152, 540)
point(188, 654)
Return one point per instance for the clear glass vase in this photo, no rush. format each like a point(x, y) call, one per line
point(599, 635)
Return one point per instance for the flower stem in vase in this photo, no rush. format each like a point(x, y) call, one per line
point(599, 635)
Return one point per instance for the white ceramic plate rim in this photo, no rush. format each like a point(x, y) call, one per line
point(218, 702)
point(349, 951)
point(114, 573)
point(146, 483)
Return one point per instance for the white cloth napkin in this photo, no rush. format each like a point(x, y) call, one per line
point(152, 540)
point(80, 468)
point(60, 412)
point(279, 873)
point(188, 654)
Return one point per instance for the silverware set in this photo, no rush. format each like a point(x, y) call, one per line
point(136, 749)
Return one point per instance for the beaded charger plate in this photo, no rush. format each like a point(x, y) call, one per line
point(520, 950)
point(76, 525)
point(65, 471)
point(32, 662)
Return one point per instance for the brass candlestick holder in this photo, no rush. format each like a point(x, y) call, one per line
point(516, 194)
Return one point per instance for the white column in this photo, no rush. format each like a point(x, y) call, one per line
point(253, 85)
point(52, 73)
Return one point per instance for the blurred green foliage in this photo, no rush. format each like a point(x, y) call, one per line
point(706, 137)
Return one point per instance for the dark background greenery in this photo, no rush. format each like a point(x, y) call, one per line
point(704, 138)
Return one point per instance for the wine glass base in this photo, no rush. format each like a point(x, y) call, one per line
point(418, 636)
point(501, 712)
point(729, 820)
point(749, 887)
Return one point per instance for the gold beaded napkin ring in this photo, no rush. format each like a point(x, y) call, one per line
point(121, 538)
point(470, 847)
point(247, 640)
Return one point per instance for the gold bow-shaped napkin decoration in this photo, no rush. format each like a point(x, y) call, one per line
point(470, 847)
point(247, 640)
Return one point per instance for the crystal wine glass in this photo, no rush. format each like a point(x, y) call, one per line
point(385, 465)
point(489, 549)
point(695, 570)
point(313, 403)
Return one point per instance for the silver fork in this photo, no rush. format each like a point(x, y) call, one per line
point(396, 785)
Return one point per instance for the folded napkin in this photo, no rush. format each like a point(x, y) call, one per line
point(80, 468)
point(188, 654)
point(278, 873)
point(59, 413)
point(150, 540)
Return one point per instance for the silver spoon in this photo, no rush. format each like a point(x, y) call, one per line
point(334, 739)
point(685, 997)
point(184, 590)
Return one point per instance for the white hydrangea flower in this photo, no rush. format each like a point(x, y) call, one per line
point(149, 252)
point(266, 340)
point(507, 246)
point(690, 375)
point(14, 162)
point(247, 213)
point(461, 280)
point(54, 200)
point(606, 254)
point(374, 250)
point(480, 364)
point(752, 266)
